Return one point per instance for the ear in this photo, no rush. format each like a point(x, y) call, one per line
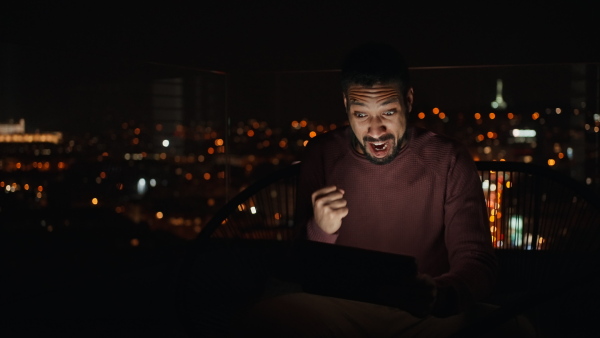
point(345, 101)
point(409, 99)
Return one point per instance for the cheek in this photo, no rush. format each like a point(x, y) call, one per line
point(400, 125)
point(360, 129)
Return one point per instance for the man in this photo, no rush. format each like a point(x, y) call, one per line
point(381, 184)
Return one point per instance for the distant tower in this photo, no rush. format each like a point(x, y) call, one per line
point(576, 149)
point(182, 103)
point(168, 112)
point(499, 102)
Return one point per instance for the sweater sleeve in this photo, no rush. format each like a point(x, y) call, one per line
point(314, 233)
point(471, 256)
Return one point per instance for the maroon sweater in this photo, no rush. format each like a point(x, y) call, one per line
point(427, 203)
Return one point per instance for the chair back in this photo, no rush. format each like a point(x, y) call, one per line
point(263, 210)
point(545, 227)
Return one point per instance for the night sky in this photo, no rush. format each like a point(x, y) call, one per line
point(46, 46)
point(280, 35)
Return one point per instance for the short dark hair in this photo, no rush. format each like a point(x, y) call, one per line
point(372, 63)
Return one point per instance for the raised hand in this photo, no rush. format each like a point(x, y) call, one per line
point(329, 208)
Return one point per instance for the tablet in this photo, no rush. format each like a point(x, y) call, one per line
point(346, 272)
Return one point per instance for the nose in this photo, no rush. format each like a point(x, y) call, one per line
point(377, 127)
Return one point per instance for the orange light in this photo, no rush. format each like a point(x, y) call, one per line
point(435, 110)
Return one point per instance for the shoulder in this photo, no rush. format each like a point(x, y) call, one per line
point(429, 141)
point(435, 149)
point(333, 140)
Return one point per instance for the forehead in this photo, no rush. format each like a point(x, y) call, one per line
point(379, 92)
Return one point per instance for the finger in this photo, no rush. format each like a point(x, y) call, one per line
point(342, 212)
point(324, 201)
point(323, 191)
point(337, 203)
point(326, 195)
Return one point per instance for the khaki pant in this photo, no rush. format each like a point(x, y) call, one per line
point(306, 315)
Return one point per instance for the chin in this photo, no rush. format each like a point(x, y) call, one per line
point(382, 160)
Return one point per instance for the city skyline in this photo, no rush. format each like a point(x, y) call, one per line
point(68, 89)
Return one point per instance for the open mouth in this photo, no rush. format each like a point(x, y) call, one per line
point(379, 149)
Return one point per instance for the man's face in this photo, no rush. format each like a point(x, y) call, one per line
point(377, 116)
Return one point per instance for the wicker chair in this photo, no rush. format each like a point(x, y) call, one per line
point(544, 225)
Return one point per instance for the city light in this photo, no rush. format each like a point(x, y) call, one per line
point(141, 186)
point(523, 133)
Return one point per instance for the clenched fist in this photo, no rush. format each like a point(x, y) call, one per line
point(329, 208)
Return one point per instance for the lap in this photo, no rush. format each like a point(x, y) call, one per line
point(307, 315)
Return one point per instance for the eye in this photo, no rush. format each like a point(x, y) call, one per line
point(389, 113)
point(359, 114)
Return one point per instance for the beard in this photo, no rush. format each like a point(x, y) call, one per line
point(394, 150)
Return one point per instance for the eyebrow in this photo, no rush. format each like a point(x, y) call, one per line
point(388, 101)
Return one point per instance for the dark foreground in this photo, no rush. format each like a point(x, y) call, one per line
point(89, 281)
